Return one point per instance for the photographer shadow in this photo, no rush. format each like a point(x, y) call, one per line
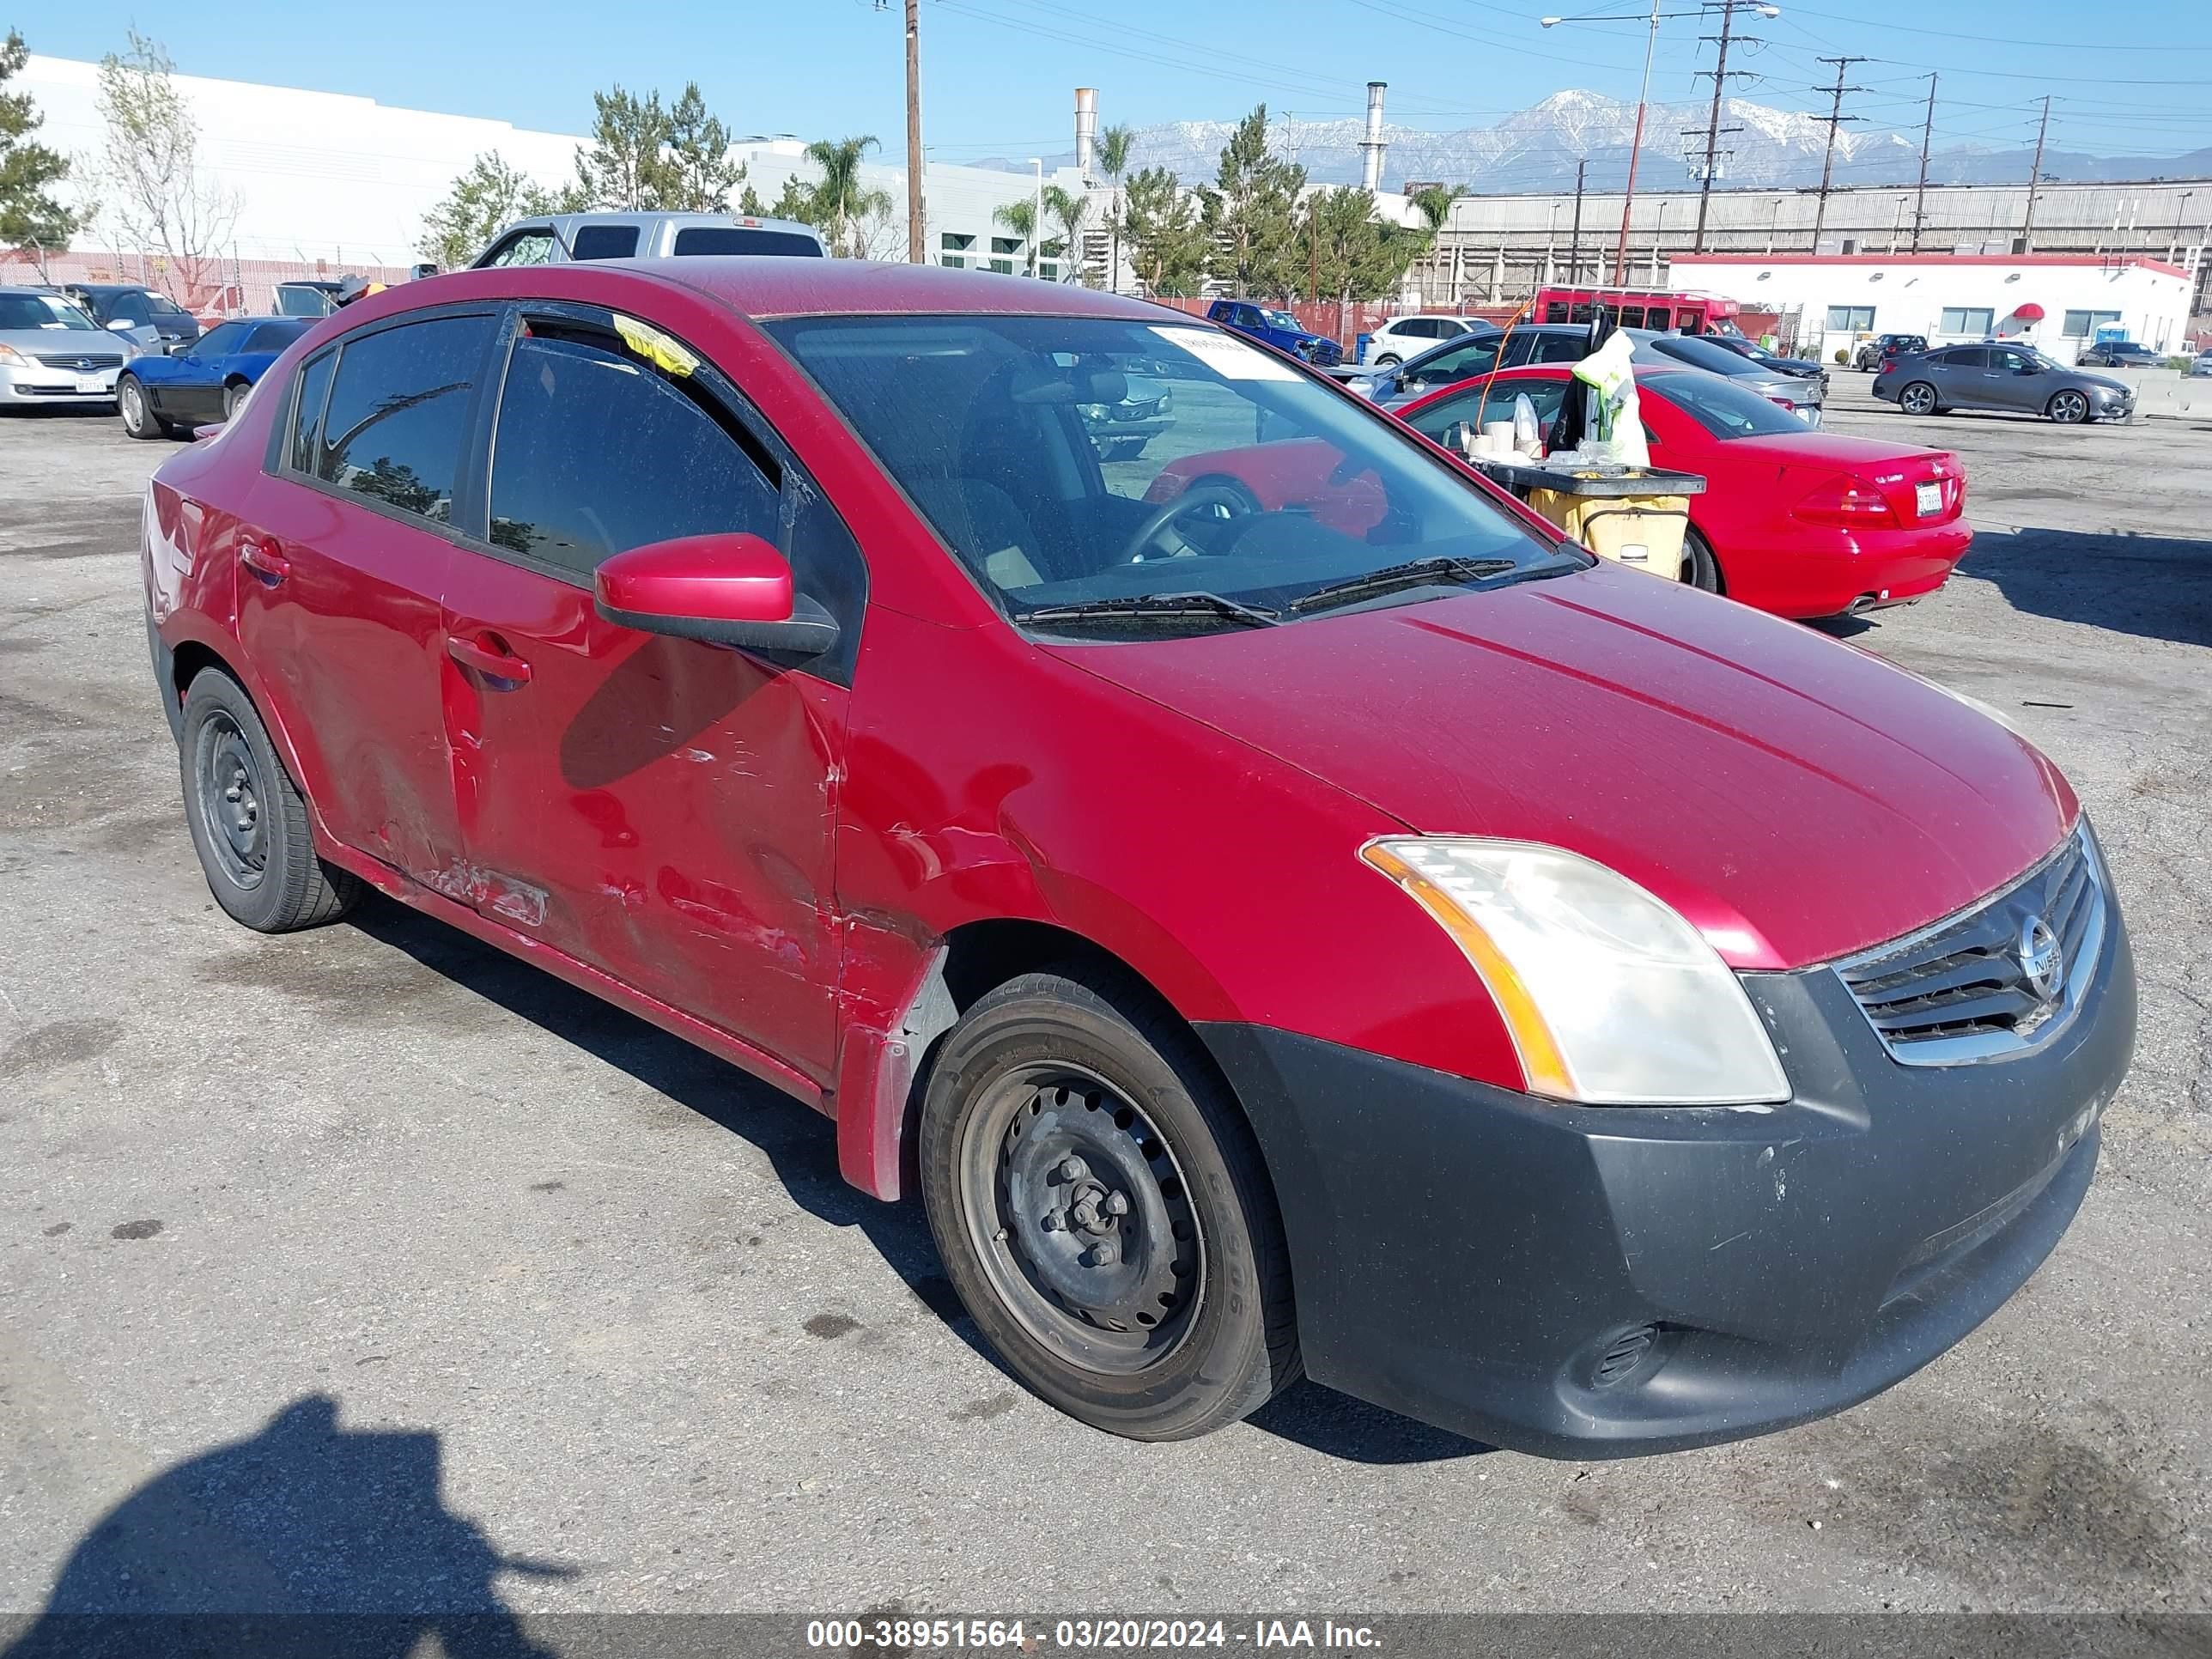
point(306, 1539)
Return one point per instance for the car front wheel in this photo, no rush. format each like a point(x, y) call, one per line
point(234, 399)
point(1919, 398)
point(2067, 408)
point(138, 418)
point(1102, 1208)
point(1699, 568)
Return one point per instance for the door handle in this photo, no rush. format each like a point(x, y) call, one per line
point(485, 653)
point(262, 559)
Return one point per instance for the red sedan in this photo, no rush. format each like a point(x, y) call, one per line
point(1799, 522)
point(1373, 941)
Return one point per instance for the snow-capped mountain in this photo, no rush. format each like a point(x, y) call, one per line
point(1536, 149)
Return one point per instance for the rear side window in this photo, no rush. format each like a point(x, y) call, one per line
point(1968, 357)
point(603, 242)
point(1561, 348)
point(740, 239)
point(308, 411)
point(596, 452)
point(398, 420)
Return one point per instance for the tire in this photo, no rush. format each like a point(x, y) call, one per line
point(2067, 408)
point(1699, 568)
point(248, 819)
point(1388, 360)
point(1057, 1097)
point(139, 419)
point(233, 395)
point(1917, 398)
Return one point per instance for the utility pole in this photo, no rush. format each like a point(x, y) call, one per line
point(1720, 74)
point(916, 253)
point(2035, 181)
point(1575, 242)
point(1635, 151)
point(1835, 117)
point(1920, 194)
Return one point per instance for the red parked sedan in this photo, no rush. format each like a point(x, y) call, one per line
point(1799, 522)
point(1547, 1001)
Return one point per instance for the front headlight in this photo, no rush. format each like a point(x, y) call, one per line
point(1611, 997)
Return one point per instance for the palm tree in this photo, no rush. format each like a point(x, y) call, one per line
point(840, 198)
point(1115, 144)
point(1020, 217)
point(1069, 207)
point(1433, 202)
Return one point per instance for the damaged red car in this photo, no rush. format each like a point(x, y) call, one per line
point(1384, 944)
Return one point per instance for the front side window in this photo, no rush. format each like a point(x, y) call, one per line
point(273, 336)
point(398, 420)
point(603, 242)
point(1491, 399)
point(1267, 489)
point(1724, 409)
point(134, 308)
point(41, 311)
point(1965, 319)
point(1456, 362)
point(220, 341)
point(525, 248)
point(596, 452)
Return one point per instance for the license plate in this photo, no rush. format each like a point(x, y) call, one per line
point(1927, 498)
point(90, 383)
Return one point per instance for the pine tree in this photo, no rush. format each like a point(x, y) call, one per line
point(627, 167)
point(29, 215)
point(1250, 212)
point(701, 174)
point(1168, 244)
point(483, 202)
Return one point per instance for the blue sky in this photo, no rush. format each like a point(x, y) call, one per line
point(999, 74)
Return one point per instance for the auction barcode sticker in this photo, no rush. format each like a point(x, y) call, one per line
point(1229, 357)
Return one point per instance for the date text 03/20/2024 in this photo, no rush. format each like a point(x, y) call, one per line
point(921, 1635)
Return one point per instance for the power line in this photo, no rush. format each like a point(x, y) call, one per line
point(1720, 74)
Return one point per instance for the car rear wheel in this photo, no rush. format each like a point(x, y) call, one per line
point(248, 819)
point(1103, 1210)
point(139, 419)
point(1917, 398)
point(1388, 360)
point(2067, 408)
point(1699, 568)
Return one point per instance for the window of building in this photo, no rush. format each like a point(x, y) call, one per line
point(398, 414)
point(662, 465)
point(953, 242)
point(2084, 325)
point(1003, 267)
point(1005, 245)
point(1050, 270)
point(953, 260)
point(1849, 318)
point(1965, 319)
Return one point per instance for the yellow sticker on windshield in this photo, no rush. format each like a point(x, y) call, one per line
point(656, 348)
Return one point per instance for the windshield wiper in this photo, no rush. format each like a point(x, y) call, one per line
point(1152, 607)
point(1415, 572)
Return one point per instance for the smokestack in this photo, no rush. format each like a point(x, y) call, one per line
point(1372, 147)
point(1086, 129)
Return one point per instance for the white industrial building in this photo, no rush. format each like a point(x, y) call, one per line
point(2058, 302)
point(327, 179)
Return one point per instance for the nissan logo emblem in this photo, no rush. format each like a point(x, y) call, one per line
point(2041, 958)
point(84, 363)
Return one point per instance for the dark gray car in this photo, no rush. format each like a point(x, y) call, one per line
point(2014, 380)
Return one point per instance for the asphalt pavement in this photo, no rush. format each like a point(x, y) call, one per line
point(366, 1267)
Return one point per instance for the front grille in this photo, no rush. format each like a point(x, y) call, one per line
point(83, 362)
point(1969, 988)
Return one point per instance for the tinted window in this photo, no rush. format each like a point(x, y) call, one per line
point(399, 415)
point(133, 309)
point(1721, 407)
point(596, 453)
point(308, 412)
point(738, 239)
point(603, 242)
point(1561, 348)
point(1968, 357)
point(1655, 317)
point(220, 341)
point(273, 336)
point(2013, 362)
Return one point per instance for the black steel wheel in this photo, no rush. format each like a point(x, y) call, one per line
point(248, 820)
point(1103, 1210)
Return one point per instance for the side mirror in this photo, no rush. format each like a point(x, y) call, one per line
point(725, 589)
point(121, 325)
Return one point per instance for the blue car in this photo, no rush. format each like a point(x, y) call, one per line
point(1277, 328)
point(203, 383)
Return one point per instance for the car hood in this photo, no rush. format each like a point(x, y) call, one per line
point(2103, 382)
point(57, 341)
point(1797, 799)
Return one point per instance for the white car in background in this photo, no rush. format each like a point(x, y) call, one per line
point(51, 353)
point(1409, 337)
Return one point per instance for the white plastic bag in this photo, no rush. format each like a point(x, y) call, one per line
point(1615, 428)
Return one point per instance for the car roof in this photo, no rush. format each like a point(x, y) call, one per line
point(744, 221)
point(111, 287)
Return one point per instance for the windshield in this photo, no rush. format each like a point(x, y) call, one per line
point(1281, 319)
point(162, 305)
point(40, 311)
point(1721, 407)
point(1241, 478)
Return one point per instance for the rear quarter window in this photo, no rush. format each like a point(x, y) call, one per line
point(694, 239)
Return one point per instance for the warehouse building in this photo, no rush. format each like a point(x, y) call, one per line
point(2057, 302)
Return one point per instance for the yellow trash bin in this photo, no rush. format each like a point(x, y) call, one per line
point(1642, 531)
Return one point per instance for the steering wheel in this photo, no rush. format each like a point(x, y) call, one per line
point(1235, 497)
